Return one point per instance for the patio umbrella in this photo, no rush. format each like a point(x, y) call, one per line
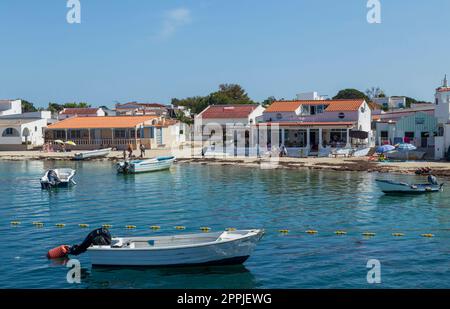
point(71, 143)
point(384, 148)
point(405, 147)
point(58, 141)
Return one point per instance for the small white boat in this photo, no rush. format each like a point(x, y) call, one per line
point(92, 154)
point(60, 177)
point(406, 155)
point(388, 186)
point(221, 248)
point(150, 165)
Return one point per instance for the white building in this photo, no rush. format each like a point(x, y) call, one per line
point(391, 102)
point(10, 107)
point(23, 131)
point(442, 113)
point(228, 128)
point(313, 95)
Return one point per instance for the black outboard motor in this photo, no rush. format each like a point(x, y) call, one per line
point(52, 177)
point(98, 237)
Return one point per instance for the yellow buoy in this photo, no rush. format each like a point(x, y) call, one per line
point(107, 226)
point(180, 227)
point(427, 235)
point(155, 227)
point(311, 231)
point(283, 231)
point(15, 222)
point(60, 225)
point(340, 232)
point(230, 229)
point(130, 227)
point(83, 225)
point(38, 223)
point(398, 234)
point(205, 229)
point(369, 234)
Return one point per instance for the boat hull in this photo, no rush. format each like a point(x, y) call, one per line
point(143, 166)
point(92, 154)
point(212, 253)
point(392, 187)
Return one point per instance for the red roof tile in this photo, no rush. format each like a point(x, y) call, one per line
point(101, 122)
point(228, 111)
point(321, 123)
point(79, 111)
point(332, 105)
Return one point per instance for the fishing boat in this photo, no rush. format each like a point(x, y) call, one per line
point(220, 248)
point(388, 186)
point(61, 177)
point(149, 165)
point(98, 153)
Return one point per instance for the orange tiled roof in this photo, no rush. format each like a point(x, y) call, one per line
point(83, 111)
point(319, 123)
point(332, 105)
point(101, 122)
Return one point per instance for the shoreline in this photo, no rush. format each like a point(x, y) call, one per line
point(354, 164)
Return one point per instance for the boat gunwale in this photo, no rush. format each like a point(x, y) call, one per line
point(250, 234)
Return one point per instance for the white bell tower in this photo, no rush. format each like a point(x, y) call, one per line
point(442, 101)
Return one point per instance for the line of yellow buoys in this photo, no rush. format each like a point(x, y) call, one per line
point(206, 229)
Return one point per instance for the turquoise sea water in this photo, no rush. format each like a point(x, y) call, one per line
point(221, 197)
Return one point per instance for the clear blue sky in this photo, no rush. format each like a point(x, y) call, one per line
point(154, 50)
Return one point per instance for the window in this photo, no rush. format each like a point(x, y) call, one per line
point(341, 115)
point(75, 134)
point(120, 133)
point(409, 135)
point(10, 132)
point(312, 110)
point(59, 134)
point(279, 116)
point(320, 109)
point(384, 134)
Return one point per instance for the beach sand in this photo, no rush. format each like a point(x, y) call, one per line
point(185, 157)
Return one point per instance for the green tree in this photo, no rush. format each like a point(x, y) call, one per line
point(268, 101)
point(350, 94)
point(375, 92)
point(28, 107)
point(227, 94)
point(76, 105)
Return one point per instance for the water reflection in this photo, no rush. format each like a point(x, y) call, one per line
point(233, 276)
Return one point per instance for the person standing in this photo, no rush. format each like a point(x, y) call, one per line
point(142, 148)
point(130, 150)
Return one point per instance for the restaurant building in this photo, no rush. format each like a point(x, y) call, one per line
point(116, 132)
point(310, 125)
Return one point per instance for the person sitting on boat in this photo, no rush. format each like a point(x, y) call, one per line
point(432, 180)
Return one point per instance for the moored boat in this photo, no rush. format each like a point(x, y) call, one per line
point(388, 186)
point(98, 153)
point(149, 165)
point(61, 177)
point(221, 248)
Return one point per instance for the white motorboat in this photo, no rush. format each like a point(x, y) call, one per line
point(149, 165)
point(406, 155)
point(388, 186)
point(60, 177)
point(221, 248)
point(98, 153)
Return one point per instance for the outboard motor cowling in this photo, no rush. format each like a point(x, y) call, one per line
point(98, 237)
